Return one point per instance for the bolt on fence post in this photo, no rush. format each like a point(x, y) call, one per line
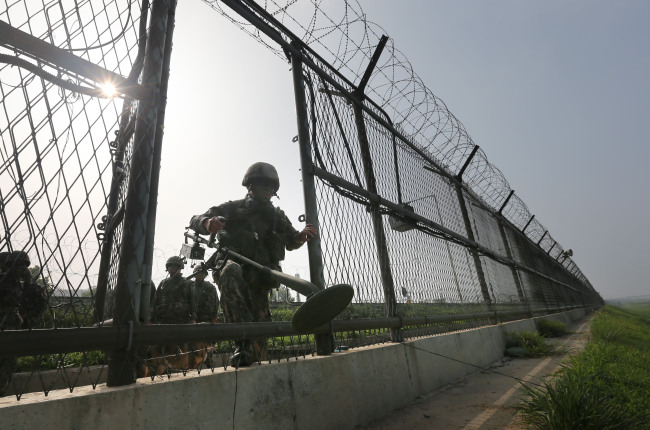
point(121, 363)
point(324, 342)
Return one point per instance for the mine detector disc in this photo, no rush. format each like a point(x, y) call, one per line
point(322, 307)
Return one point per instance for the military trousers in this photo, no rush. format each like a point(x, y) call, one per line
point(244, 301)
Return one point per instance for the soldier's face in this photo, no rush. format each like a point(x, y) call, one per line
point(201, 276)
point(262, 191)
point(172, 270)
point(21, 267)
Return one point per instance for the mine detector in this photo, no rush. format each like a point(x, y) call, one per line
point(320, 307)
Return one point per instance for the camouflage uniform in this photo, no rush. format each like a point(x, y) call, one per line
point(207, 301)
point(261, 232)
point(21, 301)
point(174, 303)
point(208, 309)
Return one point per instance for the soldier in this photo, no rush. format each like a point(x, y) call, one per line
point(256, 229)
point(21, 300)
point(206, 297)
point(208, 308)
point(174, 303)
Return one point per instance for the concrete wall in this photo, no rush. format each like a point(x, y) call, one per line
point(338, 391)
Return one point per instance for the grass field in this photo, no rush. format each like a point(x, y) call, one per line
point(606, 386)
point(641, 309)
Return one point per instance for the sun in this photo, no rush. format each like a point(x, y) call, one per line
point(108, 89)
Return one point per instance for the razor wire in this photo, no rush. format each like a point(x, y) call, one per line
point(344, 37)
point(67, 154)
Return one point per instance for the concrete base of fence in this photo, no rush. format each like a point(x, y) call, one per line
point(338, 391)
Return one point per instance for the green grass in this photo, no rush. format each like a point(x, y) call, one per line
point(529, 344)
point(551, 328)
point(605, 386)
point(641, 309)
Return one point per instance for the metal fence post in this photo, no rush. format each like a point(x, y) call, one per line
point(396, 335)
point(121, 363)
point(324, 342)
point(147, 285)
point(470, 235)
point(515, 273)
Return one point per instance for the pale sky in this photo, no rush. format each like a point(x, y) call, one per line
point(556, 93)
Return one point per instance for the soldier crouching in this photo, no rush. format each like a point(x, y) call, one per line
point(256, 229)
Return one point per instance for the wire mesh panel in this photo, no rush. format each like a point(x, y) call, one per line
point(411, 213)
point(59, 153)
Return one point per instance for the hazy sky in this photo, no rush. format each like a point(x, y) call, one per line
point(556, 93)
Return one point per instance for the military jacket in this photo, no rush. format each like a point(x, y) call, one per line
point(259, 231)
point(175, 301)
point(207, 301)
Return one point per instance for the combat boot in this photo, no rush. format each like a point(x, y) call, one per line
point(243, 356)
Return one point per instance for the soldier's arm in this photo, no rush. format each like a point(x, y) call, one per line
point(197, 222)
point(294, 239)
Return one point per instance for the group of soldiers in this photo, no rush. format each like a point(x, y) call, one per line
point(252, 227)
point(181, 301)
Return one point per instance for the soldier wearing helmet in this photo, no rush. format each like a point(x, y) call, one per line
point(206, 296)
point(260, 231)
point(175, 299)
point(174, 303)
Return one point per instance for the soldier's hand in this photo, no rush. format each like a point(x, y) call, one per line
point(308, 233)
point(214, 224)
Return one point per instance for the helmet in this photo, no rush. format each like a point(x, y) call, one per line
point(175, 261)
point(17, 258)
point(261, 172)
point(199, 268)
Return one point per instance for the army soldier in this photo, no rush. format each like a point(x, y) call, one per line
point(206, 297)
point(208, 308)
point(21, 301)
point(175, 299)
point(174, 303)
point(257, 230)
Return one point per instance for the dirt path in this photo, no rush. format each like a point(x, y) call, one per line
point(483, 400)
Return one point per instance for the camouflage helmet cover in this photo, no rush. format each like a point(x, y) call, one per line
point(261, 171)
point(175, 261)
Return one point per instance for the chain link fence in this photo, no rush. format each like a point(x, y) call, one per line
point(411, 213)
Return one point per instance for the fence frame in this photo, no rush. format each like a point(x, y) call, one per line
point(139, 213)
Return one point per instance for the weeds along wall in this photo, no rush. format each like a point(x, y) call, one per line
point(411, 213)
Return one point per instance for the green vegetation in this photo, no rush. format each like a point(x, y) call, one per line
point(54, 361)
point(529, 344)
point(606, 386)
point(642, 309)
point(551, 328)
